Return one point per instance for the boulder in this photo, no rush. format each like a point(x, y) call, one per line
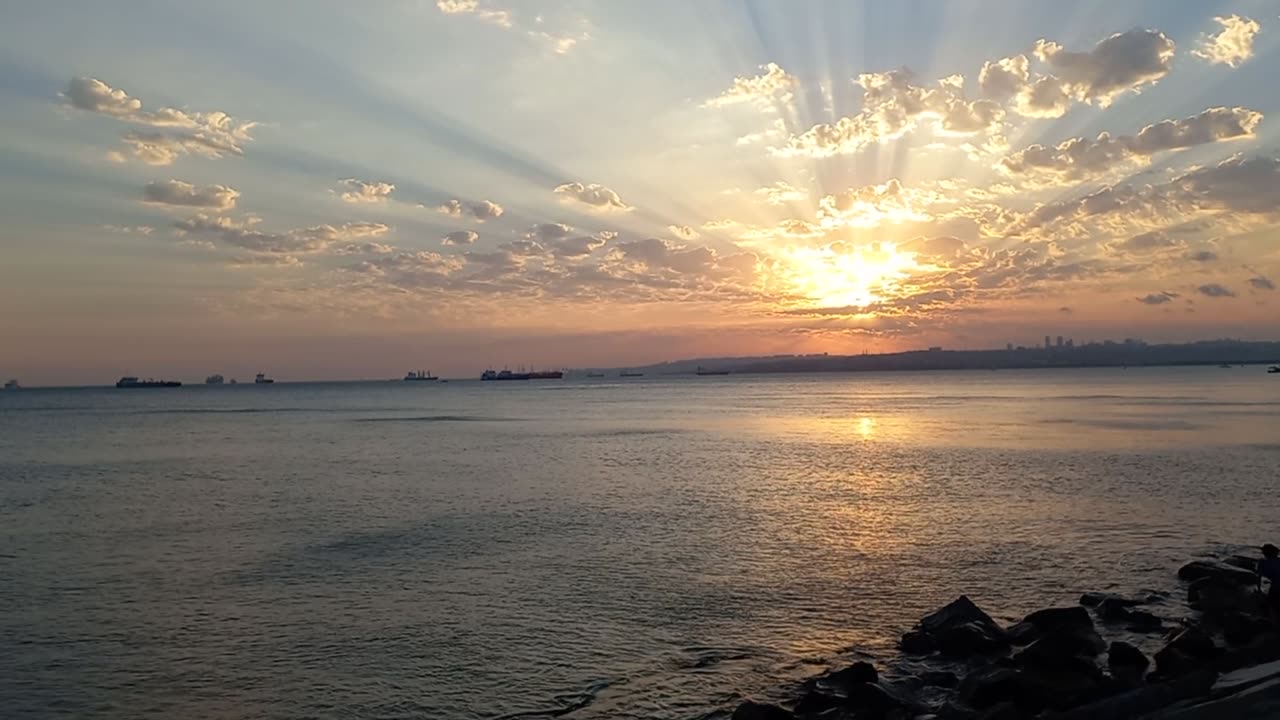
point(815, 703)
point(1198, 569)
point(1242, 628)
point(1121, 657)
point(1188, 651)
point(961, 611)
point(859, 672)
point(1216, 595)
point(752, 710)
point(1059, 651)
point(1060, 619)
point(868, 700)
point(990, 686)
point(1094, 599)
point(973, 638)
point(1244, 562)
point(1141, 621)
point(1115, 608)
point(918, 643)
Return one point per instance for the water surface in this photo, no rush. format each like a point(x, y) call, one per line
point(647, 548)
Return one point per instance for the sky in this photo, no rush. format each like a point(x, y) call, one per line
point(351, 190)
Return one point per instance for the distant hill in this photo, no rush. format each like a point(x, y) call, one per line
point(1102, 354)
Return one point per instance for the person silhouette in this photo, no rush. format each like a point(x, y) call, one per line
point(1269, 568)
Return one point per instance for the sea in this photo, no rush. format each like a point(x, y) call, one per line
point(656, 547)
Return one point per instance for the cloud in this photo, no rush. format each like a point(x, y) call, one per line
point(781, 193)
point(1203, 256)
point(184, 194)
point(479, 211)
point(275, 261)
point(892, 107)
point(598, 197)
point(873, 205)
point(212, 134)
point(364, 248)
point(363, 191)
point(1080, 158)
point(1261, 283)
point(243, 234)
point(582, 245)
point(1214, 290)
point(501, 18)
point(1003, 78)
point(129, 229)
point(684, 232)
point(1157, 298)
point(460, 237)
point(1148, 242)
point(1232, 45)
point(764, 90)
point(548, 232)
point(1065, 310)
point(1121, 63)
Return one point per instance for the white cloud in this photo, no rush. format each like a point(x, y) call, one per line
point(873, 205)
point(479, 211)
point(781, 193)
point(363, 191)
point(179, 193)
point(212, 134)
point(1232, 45)
point(243, 234)
point(891, 107)
point(274, 261)
point(1123, 62)
point(598, 197)
point(1081, 158)
point(460, 237)
point(502, 18)
point(684, 232)
point(763, 91)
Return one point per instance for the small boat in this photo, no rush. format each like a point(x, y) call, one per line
point(129, 381)
point(214, 379)
point(12, 385)
point(595, 375)
point(262, 379)
point(419, 376)
point(1224, 365)
point(1273, 369)
point(708, 371)
point(508, 375)
point(630, 374)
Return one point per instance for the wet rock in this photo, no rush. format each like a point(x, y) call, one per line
point(1244, 562)
point(1003, 711)
point(1059, 651)
point(859, 672)
point(1060, 619)
point(961, 611)
point(990, 686)
point(1185, 653)
point(1122, 657)
point(1094, 599)
point(974, 638)
point(918, 643)
point(752, 710)
point(868, 700)
point(815, 702)
point(1141, 621)
point(1115, 608)
point(939, 678)
point(1198, 569)
point(1240, 628)
point(1215, 595)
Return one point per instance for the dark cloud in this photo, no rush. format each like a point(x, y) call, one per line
point(460, 237)
point(1261, 283)
point(1157, 298)
point(1214, 290)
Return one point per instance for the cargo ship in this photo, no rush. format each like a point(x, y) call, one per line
point(508, 375)
point(214, 380)
point(629, 373)
point(133, 382)
point(262, 379)
point(419, 376)
point(12, 385)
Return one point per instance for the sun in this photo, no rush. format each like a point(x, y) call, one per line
point(841, 275)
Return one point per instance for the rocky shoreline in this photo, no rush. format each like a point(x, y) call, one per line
point(1070, 663)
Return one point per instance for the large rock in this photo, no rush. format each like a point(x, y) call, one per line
point(1190, 650)
point(752, 710)
point(1141, 621)
point(1127, 664)
point(1198, 569)
point(1215, 594)
point(974, 638)
point(918, 642)
point(1059, 651)
point(1073, 622)
point(990, 686)
point(859, 672)
point(939, 678)
point(1094, 599)
point(961, 611)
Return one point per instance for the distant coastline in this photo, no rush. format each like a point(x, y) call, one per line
point(1130, 353)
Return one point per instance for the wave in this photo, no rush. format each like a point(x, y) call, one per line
point(569, 703)
point(433, 418)
point(1126, 424)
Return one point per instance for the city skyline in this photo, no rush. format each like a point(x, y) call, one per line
point(458, 184)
